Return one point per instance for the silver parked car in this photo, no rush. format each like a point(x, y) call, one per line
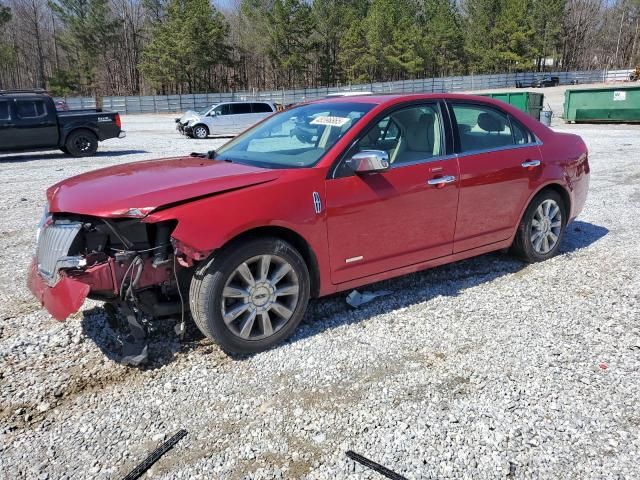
point(226, 118)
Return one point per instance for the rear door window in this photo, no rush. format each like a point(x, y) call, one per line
point(482, 128)
point(240, 108)
point(261, 108)
point(521, 135)
point(30, 109)
point(4, 111)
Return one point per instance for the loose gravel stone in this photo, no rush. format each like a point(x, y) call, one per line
point(487, 368)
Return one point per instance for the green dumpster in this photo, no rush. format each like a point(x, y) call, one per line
point(529, 102)
point(618, 104)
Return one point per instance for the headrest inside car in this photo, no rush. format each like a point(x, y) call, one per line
point(490, 123)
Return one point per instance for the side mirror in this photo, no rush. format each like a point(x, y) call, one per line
point(370, 161)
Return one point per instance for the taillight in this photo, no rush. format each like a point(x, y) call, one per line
point(117, 120)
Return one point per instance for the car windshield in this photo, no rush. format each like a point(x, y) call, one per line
point(207, 110)
point(295, 138)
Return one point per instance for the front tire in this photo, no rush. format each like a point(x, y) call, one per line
point(251, 296)
point(81, 143)
point(200, 132)
point(542, 227)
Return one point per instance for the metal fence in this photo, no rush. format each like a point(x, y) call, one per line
point(181, 103)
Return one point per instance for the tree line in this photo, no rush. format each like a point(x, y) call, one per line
point(132, 47)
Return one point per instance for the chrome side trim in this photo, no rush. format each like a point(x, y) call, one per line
point(426, 160)
point(354, 259)
point(499, 149)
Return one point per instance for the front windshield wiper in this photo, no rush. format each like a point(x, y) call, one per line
point(211, 154)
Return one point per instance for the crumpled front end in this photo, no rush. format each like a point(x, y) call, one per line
point(62, 299)
point(115, 260)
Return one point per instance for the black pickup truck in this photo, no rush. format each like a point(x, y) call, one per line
point(29, 121)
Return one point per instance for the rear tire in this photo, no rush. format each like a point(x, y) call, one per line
point(81, 143)
point(251, 295)
point(542, 227)
point(64, 150)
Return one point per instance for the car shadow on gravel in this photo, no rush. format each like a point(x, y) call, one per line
point(162, 342)
point(447, 280)
point(20, 157)
point(333, 311)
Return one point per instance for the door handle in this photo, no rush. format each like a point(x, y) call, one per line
point(531, 163)
point(441, 181)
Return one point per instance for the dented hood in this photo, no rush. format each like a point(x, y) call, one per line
point(144, 186)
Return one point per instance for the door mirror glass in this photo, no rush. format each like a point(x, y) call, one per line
point(370, 161)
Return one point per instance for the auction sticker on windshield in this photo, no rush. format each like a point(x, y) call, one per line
point(331, 121)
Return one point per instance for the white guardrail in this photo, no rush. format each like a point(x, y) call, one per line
point(181, 103)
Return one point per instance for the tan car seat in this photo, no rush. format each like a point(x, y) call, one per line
point(420, 138)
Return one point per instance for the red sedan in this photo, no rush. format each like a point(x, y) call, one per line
point(320, 198)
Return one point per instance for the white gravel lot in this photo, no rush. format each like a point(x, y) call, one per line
point(487, 368)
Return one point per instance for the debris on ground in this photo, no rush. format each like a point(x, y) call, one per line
point(357, 299)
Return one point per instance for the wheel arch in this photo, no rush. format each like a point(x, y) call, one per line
point(553, 186)
point(560, 190)
point(76, 128)
point(292, 237)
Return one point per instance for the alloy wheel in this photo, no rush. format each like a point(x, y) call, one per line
point(259, 297)
point(82, 143)
point(546, 226)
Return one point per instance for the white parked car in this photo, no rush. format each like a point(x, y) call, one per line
point(226, 118)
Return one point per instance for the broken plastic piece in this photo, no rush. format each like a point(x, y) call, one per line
point(140, 470)
point(355, 298)
point(131, 334)
point(179, 329)
point(382, 470)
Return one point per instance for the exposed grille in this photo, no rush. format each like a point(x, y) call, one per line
point(53, 245)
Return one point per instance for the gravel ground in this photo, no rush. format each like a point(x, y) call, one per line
point(486, 368)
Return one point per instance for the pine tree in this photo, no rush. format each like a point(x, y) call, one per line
point(89, 30)
point(480, 21)
point(329, 26)
point(443, 38)
point(513, 37)
point(289, 41)
point(186, 46)
point(546, 19)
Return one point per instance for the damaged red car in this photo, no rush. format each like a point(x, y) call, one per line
point(320, 198)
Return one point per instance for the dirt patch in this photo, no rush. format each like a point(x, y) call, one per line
point(81, 380)
point(632, 179)
point(19, 308)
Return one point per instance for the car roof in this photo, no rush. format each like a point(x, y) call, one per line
point(243, 101)
point(394, 98)
point(23, 96)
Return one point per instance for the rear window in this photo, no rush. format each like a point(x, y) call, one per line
point(30, 108)
point(4, 111)
point(261, 108)
point(240, 108)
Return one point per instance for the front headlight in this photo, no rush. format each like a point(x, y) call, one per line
point(44, 221)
